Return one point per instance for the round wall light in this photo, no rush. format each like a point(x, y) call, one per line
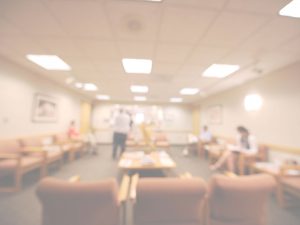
point(253, 102)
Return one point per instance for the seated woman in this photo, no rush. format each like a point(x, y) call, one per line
point(72, 131)
point(246, 144)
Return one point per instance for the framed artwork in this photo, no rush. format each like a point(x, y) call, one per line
point(45, 108)
point(215, 114)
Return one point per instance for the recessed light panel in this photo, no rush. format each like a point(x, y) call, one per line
point(220, 70)
point(175, 99)
point(49, 62)
point(140, 98)
point(189, 91)
point(292, 9)
point(90, 87)
point(103, 97)
point(143, 66)
point(139, 89)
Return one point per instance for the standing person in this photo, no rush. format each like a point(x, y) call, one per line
point(121, 129)
point(246, 144)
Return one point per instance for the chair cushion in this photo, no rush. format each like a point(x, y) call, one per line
point(9, 165)
point(10, 146)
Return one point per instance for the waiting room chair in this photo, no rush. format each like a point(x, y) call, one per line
point(161, 140)
point(169, 201)
point(15, 162)
point(239, 200)
point(38, 144)
point(288, 185)
point(81, 203)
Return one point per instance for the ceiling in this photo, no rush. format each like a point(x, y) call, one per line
point(182, 37)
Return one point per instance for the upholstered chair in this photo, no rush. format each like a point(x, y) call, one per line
point(79, 203)
point(239, 200)
point(169, 201)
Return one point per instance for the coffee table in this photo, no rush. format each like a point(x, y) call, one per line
point(140, 161)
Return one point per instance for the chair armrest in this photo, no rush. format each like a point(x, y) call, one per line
point(73, 179)
point(186, 175)
point(9, 156)
point(230, 174)
point(285, 168)
point(133, 186)
point(35, 150)
point(124, 188)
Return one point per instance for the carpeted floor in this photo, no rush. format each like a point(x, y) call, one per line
point(23, 208)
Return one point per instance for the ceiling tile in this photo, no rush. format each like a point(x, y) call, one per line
point(268, 37)
point(172, 53)
point(98, 48)
point(184, 25)
point(32, 16)
point(215, 4)
point(134, 49)
point(207, 55)
point(82, 18)
point(134, 20)
point(232, 28)
point(257, 6)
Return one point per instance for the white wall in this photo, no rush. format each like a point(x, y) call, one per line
point(278, 121)
point(177, 122)
point(17, 89)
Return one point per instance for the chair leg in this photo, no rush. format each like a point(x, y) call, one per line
point(43, 170)
point(18, 180)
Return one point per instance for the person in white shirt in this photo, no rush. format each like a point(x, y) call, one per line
point(246, 144)
point(121, 129)
point(205, 135)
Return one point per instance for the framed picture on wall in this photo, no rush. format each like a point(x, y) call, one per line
point(45, 108)
point(215, 114)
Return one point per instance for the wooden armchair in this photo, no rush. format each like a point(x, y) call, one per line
point(246, 161)
point(36, 145)
point(161, 141)
point(77, 203)
point(14, 161)
point(69, 147)
point(288, 185)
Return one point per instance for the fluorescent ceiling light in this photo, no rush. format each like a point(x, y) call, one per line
point(90, 87)
point(189, 91)
point(220, 70)
point(139, 89)
point(175, 99)
point(153, 0)
point(292, 9)
point(103, 97)
point(49, 62)
point(143, 66)
point(140, 98)
point(78, 85)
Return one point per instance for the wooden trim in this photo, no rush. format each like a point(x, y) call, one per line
point(273, 147)
point(133, 186)
point(124, 188)
point(73, 179)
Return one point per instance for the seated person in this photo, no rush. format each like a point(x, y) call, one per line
point(246, 144)
point(72, 131)
point(205, 136)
